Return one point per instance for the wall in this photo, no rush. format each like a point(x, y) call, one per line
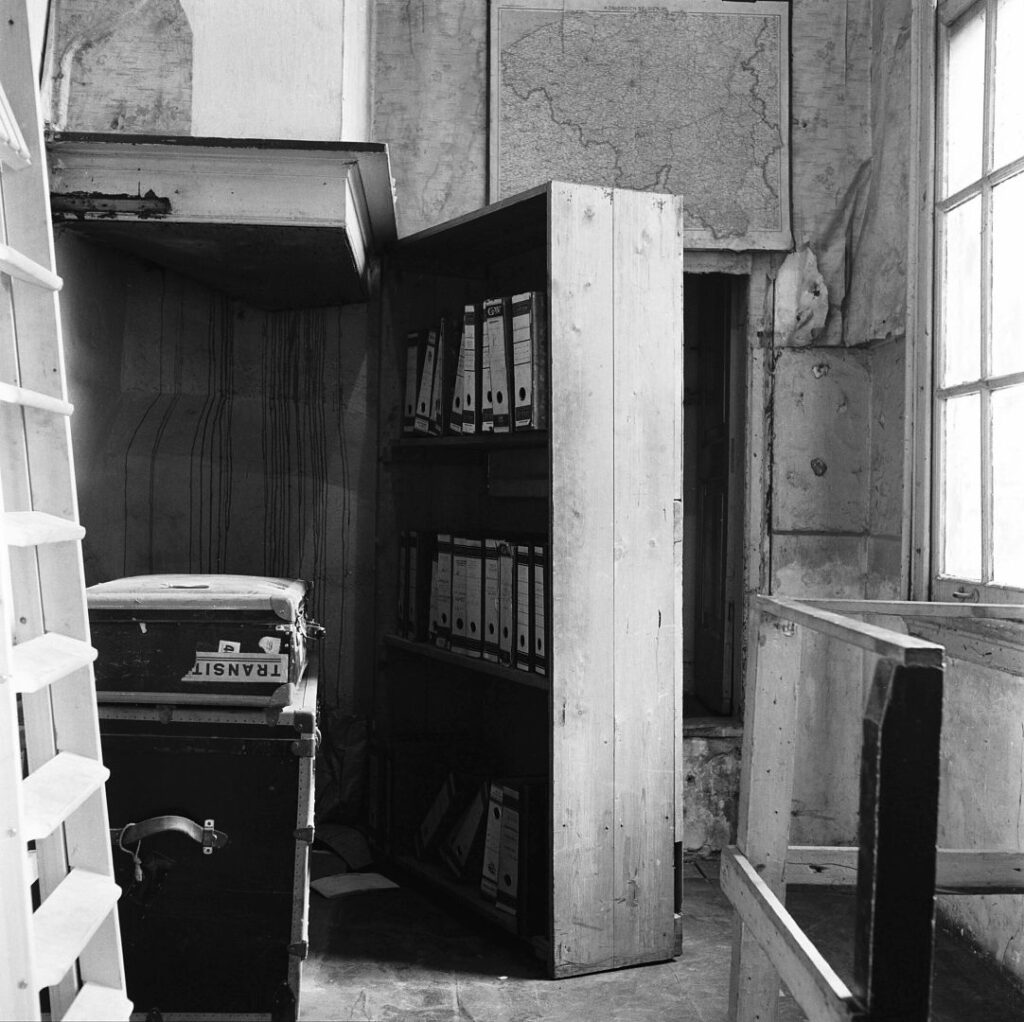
point(191, 67)
point(214, 437)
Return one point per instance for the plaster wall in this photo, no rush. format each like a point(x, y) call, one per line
point(213, 437)
point(191, 67)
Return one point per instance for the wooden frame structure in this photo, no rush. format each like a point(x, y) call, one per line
point(897, 867)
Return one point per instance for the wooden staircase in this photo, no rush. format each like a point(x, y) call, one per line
point(51, 775)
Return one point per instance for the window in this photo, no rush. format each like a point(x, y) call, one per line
point(977, 544)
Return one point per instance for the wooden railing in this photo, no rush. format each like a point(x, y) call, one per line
point(897, 868)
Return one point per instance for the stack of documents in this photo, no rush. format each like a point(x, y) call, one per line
point(483, 598)
point(486, 374)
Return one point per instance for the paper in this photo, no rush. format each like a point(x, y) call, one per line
point(350, 883)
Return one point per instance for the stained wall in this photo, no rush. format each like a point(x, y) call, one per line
point(210, 436)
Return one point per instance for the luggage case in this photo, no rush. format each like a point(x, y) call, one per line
point(213, 639)
point(211, 815)
point(210, 795)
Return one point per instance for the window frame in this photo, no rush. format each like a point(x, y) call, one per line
point(925, 493)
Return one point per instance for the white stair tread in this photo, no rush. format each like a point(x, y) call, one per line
point(46, 659)
point(33, 528)
point(95, 1001)
point(54, 791)
point(34, 399)
point(15, 264)
point(66, 922)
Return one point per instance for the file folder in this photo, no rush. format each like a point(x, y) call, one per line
point(460, 580)
point(470, 371)
point(506, 604)
point(497, 335)
point(429, 829)
point(417, 586)
point(540, 617)
point(474, 597)
point(425, 399)
point(484, 361)
point(401, 613)
point(445, 369)
point(492, 843)
point(455, 406)
point(457, 847)
point(415, 349)
point(508, 853)
point(523, 596)
point(529, 358)
point(492, 603)
point(442, 592)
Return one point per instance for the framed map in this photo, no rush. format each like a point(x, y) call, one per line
point(679, 96)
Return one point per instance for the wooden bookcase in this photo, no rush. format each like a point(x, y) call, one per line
point(601, 733)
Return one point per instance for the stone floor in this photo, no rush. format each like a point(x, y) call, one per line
point(391, 955)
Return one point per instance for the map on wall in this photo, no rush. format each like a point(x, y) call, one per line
point(678, 96)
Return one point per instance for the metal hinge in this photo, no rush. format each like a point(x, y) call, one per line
point(299, 949)
point(304, 747)
point(305, 834)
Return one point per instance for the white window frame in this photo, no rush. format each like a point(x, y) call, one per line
point(923, 540)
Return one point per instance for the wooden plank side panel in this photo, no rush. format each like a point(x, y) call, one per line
point(766, 796)
point(899, 797)
point(957, 871)
point(580, 274)
point(645, 424)
point(812, 981)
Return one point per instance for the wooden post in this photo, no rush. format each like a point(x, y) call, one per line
point(766, 796)
point(898, 828)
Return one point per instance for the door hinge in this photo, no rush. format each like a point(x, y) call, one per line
point(299, 949)
point(305, 834)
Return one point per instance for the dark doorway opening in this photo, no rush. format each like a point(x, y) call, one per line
point(713, 381)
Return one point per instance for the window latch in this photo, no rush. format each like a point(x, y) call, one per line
point(966, 595)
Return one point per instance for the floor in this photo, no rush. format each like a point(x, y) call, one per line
point(391, 955)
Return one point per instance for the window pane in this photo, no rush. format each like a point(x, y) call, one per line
point(1008, 486)
point(1009, 113)
point(1008, 276)
point(961, 484)
point(961, 294)
point(965, 101)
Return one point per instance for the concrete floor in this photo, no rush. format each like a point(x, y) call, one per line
point(392, 955)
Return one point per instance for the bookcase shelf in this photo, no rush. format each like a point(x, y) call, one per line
point(597, 740)
point(465, 893)
point(476, 665)
point(410, 448)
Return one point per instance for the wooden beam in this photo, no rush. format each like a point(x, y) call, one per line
point(957, 871)
point(899, 800)
point(903, 649)
point(922, 609)
point(810, 979)
point(766, 797)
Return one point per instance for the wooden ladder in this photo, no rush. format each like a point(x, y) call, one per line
point(51, 775)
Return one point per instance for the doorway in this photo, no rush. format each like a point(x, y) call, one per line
point(713, 382)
